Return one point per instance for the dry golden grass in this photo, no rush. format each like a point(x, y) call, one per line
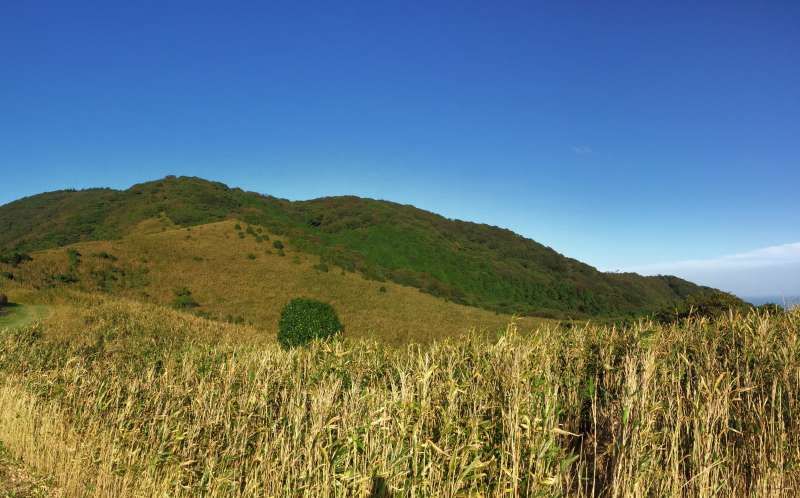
point(212, 261)
point(152, 402)
point(16, 481)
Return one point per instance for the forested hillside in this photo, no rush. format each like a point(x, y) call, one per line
point(468, 263)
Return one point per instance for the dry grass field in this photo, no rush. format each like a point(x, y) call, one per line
point(16, 481)
point(234, 276)
point(112, 397)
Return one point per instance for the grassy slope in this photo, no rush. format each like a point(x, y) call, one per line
point(465, 262)
point(212, 261)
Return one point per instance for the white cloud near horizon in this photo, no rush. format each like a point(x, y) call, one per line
point(773, 270)
point(766, 256)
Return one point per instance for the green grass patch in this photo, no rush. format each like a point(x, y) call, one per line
point(18, 315)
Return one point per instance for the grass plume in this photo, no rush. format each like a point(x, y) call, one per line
point(145, 401)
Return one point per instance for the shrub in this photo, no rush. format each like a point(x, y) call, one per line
point(105, 255)
point(74, 258)
point(64, 278)
point(323, 267)
point(708, 305)
point(251, 256)
point(771, 308)
point(3, 300)
point(382, 290)
point(277, 244)
point(7, 275)
point(15, 258)
point(303, 320)
point(183, 299)
point(715, 304)
point(237, 226)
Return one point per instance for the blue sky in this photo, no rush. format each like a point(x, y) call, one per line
point(630, 136)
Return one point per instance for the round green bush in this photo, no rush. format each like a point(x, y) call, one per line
point(303, 320)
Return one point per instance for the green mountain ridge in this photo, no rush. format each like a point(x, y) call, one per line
point(469, 263)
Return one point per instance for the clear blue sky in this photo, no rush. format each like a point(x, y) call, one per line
point(626, 135)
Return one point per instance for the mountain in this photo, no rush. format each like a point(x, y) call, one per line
point(230, 271)
point(467, 263)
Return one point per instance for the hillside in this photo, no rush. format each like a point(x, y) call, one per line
point(467, 263)
point(235, 274)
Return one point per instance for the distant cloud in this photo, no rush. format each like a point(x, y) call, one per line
point(785, 254)
point(769, 270)
point(582, 150)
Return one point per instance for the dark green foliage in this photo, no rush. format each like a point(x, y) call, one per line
point(771, 308)
point(113, 278)
point(251, 256)
point(382, 290)
point(15, 258)
point(277, 244)
point(715, 304)
point(74, 259)
point(3, 300)
point(183, 299)
point(321, 267)
point(105, 279)
point(64, 278)
point(708, 305)
point(250, 231)
point(472, 264)
point(104, 255)
point(463, 262)
point(7, 275)
point(303, 320)
point(237, 226)
point(380, 488)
